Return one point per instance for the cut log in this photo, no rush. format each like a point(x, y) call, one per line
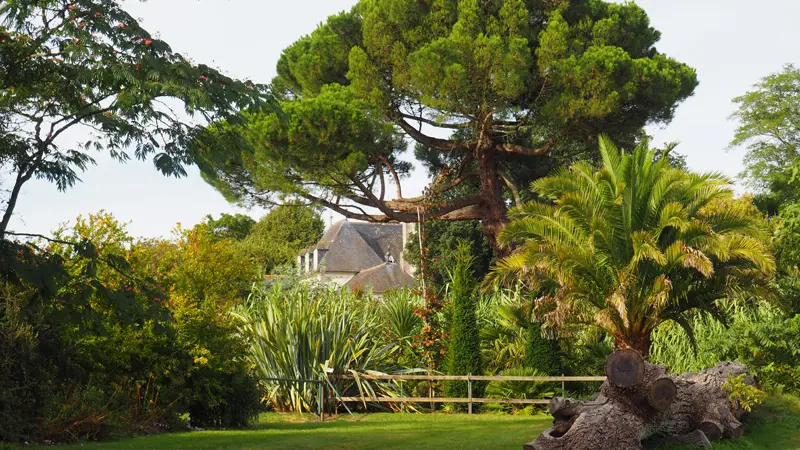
point(712, 429)
point(641, 401)
point(734, 433)
point(662, 393)
point(625, 368)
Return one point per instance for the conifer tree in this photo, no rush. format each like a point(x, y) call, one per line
point(464, 350)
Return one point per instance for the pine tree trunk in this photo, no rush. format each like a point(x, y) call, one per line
point(491, 190)
point(641, 401)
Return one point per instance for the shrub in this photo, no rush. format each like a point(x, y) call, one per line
point(223, 397)
point(675, 349)
point(297, 333)
point(27, 380)
point(508, 390)
point(764, 338)
point(101, 351)
point(743, 395)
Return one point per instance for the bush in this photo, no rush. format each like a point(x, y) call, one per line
point(297, 332)
point(92, 348)
point(206, 275)
point(26, 383)
point(764, 338)
point(220, 390)
point(508, 390)
point(224, 398)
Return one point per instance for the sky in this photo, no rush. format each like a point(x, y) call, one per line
point(731, 44)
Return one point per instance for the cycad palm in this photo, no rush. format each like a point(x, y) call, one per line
point(632, 245)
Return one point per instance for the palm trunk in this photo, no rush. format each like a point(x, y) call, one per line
point(638, 341)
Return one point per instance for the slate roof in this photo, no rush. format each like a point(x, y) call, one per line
point(362, 248)
point(353, 246)
point(381, 278)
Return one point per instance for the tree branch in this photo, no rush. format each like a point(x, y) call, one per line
point(452, 126)
point(341, 209)
point(394, 175)
point(373, 200)
point(432, 142)
point(77, 118)
point(521, 150)
point(405, 211)
point(511, 186)
point(383, 183)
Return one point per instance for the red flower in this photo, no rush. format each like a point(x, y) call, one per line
point(147, 42)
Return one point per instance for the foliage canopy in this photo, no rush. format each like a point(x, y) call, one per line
point(89, 64)
point(769, 128)
point(482, 88)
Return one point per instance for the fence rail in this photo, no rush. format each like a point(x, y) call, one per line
point(523, 401)
point(470, 400)
point(469, 379)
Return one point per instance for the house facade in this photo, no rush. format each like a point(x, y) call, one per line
point(361, 255)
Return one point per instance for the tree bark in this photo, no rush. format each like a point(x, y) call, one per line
point(641, 401)
point(639, 342)
point(12, 202)
point(25, 171)
point(491, 192)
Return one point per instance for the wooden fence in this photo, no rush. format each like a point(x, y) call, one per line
point(470, 400)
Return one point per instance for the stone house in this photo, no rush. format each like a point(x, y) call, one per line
point(361, 255)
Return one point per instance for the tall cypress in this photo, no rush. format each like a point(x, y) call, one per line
point(464, 349)
point(541, 353)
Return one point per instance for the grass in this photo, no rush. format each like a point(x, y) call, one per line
point(370, 431)
point(775, 426)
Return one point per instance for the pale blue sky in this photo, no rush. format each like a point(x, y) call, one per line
point(731, 43)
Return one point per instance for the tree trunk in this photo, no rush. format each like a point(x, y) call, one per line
point(492, 197)
point(12, 203)
point(641, 401)
point(638, 342)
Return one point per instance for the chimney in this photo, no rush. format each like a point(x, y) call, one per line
point(408, 228)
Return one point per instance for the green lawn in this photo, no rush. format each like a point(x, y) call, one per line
point(775, 426)
point(371, 431)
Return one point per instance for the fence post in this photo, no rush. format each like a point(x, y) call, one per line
point(469, 391)
point(563, 389)
point(431, 392)
point(320, 397)
point(402, 394)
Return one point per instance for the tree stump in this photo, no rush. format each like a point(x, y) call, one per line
point(642, 402)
